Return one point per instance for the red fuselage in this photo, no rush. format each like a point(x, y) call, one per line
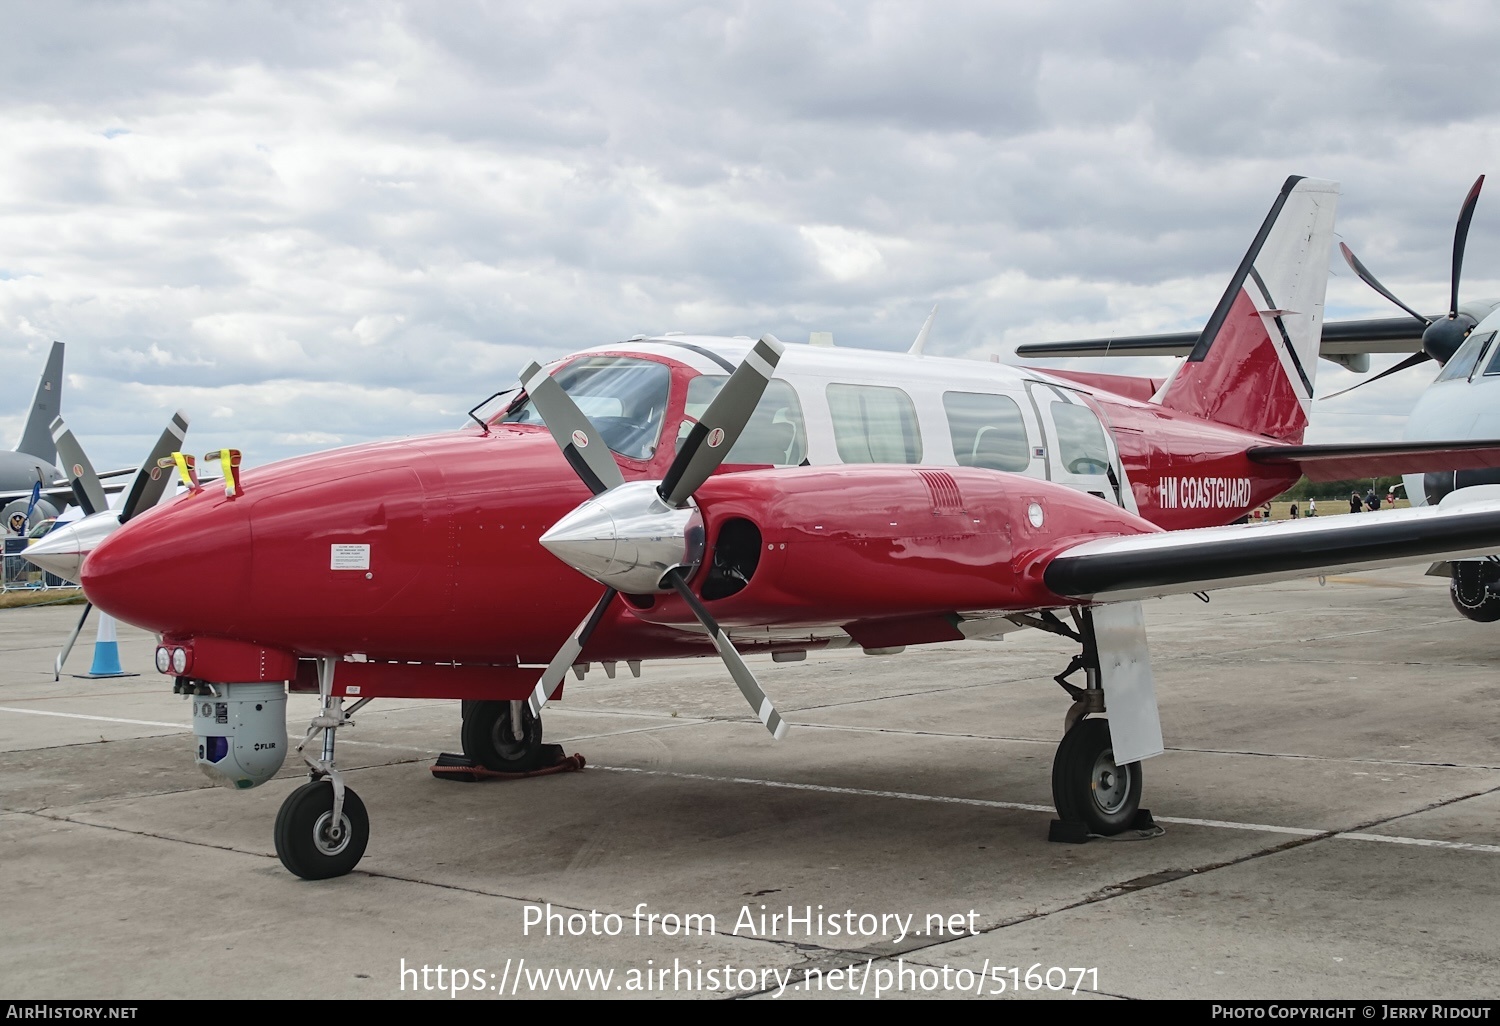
point(456, 577)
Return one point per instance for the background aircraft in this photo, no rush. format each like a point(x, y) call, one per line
point(879, 499)
point(32, 463)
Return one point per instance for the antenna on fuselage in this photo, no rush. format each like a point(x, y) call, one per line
point(916, 347)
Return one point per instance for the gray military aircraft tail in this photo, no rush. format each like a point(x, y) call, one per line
point(33, 460)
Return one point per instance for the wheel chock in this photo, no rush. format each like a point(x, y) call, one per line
point(1142, 828)
point(1064, 831)
point(466, 770)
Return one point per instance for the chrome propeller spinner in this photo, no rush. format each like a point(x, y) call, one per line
point(642, 537)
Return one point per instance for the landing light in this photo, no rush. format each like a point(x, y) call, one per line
point(179, 660)
point(163, 659)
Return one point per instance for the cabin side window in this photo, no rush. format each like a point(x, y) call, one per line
point(987, 431)
point(874, 424)
point(775, 434)
point(1080, 439)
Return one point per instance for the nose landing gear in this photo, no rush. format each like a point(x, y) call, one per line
point(322, 827)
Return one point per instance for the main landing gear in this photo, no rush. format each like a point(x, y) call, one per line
point(1093, 795)
point(503, 736)
point(322, 827)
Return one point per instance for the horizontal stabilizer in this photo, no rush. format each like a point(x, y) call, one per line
point(1464, 524)
point(1344, 461)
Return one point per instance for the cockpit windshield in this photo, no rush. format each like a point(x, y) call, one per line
point(625, 398)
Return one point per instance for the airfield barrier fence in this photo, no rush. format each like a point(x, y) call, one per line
point(20, 575)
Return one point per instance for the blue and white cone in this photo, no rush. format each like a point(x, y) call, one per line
point(106, 650)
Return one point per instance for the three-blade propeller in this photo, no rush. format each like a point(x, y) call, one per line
point(644, 537)
point(1442, 337)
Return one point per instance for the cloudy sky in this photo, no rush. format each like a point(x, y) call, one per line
point(316, 224)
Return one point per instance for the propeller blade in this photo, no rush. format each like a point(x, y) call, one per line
point(80, 472)
point(151, 481)
point(711, 439)
point(1369, 279)
point(62, 655)
point(1411, 361)
point(762, 706)
point(1460, 238)
point(576, 435)
point(568, 654)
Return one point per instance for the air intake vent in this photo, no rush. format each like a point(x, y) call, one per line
point(946, 498)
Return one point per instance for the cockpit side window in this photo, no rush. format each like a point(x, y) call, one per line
point(625, 398)
point(775, 433)
point(1463, 362)
point(1494, 367)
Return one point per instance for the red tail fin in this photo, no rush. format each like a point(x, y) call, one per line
point(1254, 364)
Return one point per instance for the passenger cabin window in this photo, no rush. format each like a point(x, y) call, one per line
point(1463, 362)
point(623, 396)
point(775, 433)
point(987, 431)
point(874, 424)
point(1081, 447)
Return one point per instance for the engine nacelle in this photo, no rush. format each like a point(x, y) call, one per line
point(241, 733)
point(43, 510)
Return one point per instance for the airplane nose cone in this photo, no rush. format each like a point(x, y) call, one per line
point(63, 551)
point(173, 568)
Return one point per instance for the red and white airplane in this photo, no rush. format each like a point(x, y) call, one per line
point(678, 495)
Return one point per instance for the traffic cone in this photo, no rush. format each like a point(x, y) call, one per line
point(106, 651)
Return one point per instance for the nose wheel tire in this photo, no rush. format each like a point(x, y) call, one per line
point(489, 737)
point(307, 840)
point(1087, 786)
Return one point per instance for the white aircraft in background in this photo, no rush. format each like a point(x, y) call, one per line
point(1462, 403)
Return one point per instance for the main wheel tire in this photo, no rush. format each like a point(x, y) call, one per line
point(305, 842)
point(1087, 786)
point(490, 740)
point(1472, 590)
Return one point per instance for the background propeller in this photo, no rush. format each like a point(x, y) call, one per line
point(73, 541)
point(648, 536)
point(1442, 337)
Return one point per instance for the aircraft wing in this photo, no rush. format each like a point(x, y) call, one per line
point(1182, 562)
point(1340, 338)
point(1344, 461)
point(60, 493)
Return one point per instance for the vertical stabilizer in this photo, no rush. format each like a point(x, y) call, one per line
point(1254, 365)
point(36, 439)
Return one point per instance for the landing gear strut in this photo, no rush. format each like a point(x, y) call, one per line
point(503, 736)
point(1093, 795)
point(322, 828)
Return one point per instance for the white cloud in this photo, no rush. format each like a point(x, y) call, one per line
point(319, 222)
